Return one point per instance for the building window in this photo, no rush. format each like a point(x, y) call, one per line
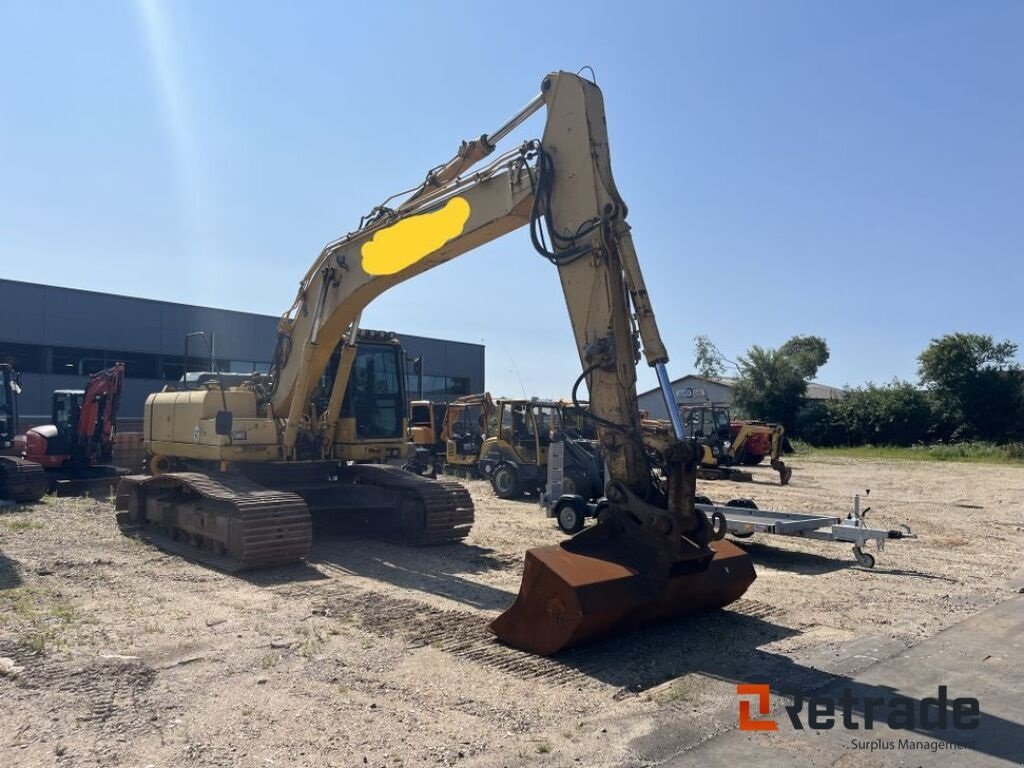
point(27, 358)
point(438, 388)
point(77, 362)
point(137, 366)
point(172, 369)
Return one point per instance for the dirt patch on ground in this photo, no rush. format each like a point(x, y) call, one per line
point(378, 655)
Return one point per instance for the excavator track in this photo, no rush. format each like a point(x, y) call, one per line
point(431, 511)
point(226, 520)
point(21, 481)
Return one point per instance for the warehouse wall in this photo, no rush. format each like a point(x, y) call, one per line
point(57, 336)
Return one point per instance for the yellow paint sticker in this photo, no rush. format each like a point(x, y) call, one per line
point(403, 244)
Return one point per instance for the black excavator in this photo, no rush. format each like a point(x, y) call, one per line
point(21, 481)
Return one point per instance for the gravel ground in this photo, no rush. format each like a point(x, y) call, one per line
point(371, 654)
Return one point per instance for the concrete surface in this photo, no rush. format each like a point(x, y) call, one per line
point(982, 657)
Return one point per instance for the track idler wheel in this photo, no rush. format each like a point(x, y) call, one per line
point(590, 586)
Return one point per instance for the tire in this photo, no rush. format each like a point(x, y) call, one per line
point(864, 559)
point(571, 518)
point(505, 482)
point(745, 504)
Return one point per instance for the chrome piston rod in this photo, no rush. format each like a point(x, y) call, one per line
point(670, 401)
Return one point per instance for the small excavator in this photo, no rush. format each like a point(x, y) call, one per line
point(21, 481)
point(76, 448)
point(243, 470)
point(726, 443)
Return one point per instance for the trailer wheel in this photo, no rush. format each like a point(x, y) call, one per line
point(745, 504)
point(864, 559)
point(571, 516)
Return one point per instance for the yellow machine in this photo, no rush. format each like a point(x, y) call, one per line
point(244, 469)
point(726, 443)
point(515, 454)
point(465, 429)
point(426, 420)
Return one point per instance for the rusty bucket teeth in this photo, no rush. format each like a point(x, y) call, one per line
point(569, 597)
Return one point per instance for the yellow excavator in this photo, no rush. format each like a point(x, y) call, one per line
point(241, 471)
point(726, 443)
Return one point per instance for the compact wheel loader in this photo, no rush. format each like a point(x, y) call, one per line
point(242, 468)
point(515, 454)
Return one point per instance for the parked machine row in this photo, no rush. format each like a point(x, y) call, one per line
point(73, 453)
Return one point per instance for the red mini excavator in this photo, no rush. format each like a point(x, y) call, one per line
point(75, 449)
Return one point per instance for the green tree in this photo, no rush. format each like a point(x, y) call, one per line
point(708, 359)
point(892, 414)
point(977, 385)
point(773, 382)
point(808, 354)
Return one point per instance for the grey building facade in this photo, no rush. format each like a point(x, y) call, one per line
point(700, 390)
point(56, 337)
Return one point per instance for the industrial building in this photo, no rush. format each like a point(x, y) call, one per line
point(697, 390)
point(57, 336)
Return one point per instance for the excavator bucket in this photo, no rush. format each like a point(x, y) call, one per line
point(571, 594)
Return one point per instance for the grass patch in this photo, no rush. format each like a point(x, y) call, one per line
point(312, 643)
point(39, 616)
point(666, 694)
point(543, 748)
point(976, 453)
point(21, 525)
point(270, 660)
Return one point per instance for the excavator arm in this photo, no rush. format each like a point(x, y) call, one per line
point(561, 186)
point(98, 418)
point(651, 553)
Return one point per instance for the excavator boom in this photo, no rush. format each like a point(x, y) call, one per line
point(651, 553)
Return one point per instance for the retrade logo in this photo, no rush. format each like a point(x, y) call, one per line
point(748, 723)
point(852, 712)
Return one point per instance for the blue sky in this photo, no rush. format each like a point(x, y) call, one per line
point(854, 171)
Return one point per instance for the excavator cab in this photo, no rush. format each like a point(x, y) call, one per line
point(425, 420)
point(707, 422)
point(372, 417)
point(65, 412)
